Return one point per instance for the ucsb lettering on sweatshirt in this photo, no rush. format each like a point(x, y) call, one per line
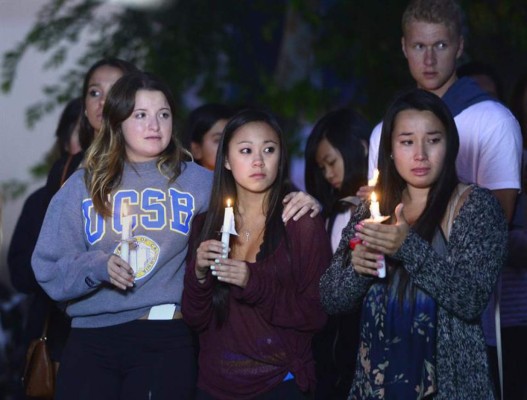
point(75, 243)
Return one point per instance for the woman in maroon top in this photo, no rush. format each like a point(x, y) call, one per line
point(257, 310)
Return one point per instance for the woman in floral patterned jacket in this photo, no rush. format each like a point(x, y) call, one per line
point(443, 244)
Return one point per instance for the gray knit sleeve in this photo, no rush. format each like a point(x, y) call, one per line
point(341, 288)
point(462, 282)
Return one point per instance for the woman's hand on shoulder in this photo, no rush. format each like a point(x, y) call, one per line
point(296, 204)
point(120, 272)
point(386, 239)
point(208, 253)
point(232, 271)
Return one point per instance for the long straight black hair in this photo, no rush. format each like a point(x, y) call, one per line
point(224, 187)
point(348, 132)
point(391, 184)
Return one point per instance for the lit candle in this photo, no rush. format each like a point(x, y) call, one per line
point(374, 207)
point(377, 217)
point(373, 181)
point(228, 227)
point(126, 223)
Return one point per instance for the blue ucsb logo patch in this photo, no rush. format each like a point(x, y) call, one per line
point(152, 209)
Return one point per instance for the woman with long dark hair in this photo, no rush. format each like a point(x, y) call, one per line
point(337, 165)
point(444, 245)
point(255, 311)
point(336, 157)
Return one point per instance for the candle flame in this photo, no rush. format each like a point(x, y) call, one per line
point(228, 202)
point(373, 197)
point(373, 181)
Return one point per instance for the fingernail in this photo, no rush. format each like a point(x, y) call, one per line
point(214, 273)
point(216, 260)
point(212, 267)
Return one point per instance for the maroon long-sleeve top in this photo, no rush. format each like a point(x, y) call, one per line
point(271, 321)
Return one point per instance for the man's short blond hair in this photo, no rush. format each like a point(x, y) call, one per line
point(447, 12)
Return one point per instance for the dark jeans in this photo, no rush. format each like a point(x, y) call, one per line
point(137, 360)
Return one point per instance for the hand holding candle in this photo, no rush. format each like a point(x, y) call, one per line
point(354, 241)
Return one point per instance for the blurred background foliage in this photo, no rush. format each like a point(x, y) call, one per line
point(300, 58)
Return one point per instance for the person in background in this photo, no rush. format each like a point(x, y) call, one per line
point(444, 245)
point(336, 156)
point(97, 82)
point(257, 309)
point(40, 307)
point(336, 166)
point(205, 125)
point(67, 143)
point(485, 76)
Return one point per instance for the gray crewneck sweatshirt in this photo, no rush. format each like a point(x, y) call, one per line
point(75, 243)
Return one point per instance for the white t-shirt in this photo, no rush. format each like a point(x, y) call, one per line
point(490, 146)
point(341, 220)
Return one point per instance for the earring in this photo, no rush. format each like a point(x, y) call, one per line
point(391, 156)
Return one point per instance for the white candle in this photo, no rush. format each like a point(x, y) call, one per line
point(228, 227)
point(374, 207)
point(126, 223)
point(133, 259)
point(376, 217)
point(373, 181)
